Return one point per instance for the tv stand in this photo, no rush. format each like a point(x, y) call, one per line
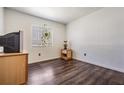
point(13, 68)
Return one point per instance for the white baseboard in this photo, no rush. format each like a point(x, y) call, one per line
point(104, 66)
point(45, 60)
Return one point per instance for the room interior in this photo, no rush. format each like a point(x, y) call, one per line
point(61, 45)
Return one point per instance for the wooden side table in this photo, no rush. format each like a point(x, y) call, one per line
point(66, 54)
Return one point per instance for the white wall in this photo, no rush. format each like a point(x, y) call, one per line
point(101, 36)
point(1, 20)
point(1, 24)
point(15, 21)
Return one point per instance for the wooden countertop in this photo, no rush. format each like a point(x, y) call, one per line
point(12, 54)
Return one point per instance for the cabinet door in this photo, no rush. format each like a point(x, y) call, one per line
point(13, 69)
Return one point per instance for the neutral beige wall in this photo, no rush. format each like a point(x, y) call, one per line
point(15, 21)
point(1, 20)
point(101, 36)
point(1, 24)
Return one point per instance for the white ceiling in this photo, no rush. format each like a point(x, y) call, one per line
point(59, 14)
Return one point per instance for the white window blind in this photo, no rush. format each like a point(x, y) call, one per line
point(36, 35)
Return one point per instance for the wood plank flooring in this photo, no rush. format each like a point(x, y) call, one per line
point(60, 72)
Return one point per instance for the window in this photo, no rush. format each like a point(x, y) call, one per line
point(36, 35)
point(41, 36)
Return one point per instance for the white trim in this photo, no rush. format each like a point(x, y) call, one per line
point(104, 66)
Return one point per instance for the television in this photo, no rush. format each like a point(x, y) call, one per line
point(12, 42)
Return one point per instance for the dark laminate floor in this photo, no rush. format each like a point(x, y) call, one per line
point(59, 72)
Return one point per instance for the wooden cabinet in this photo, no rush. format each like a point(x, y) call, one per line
point(13, 68)
point(66, 54)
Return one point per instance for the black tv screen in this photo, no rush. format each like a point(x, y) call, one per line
point(12, 42)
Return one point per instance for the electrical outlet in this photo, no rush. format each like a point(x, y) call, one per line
point(85, 54)
point(39, 54)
